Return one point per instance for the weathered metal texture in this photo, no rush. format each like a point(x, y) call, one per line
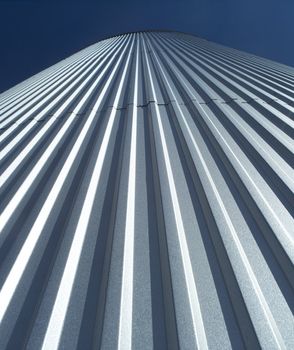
point(147, 199)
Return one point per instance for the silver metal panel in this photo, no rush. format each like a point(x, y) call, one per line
point(147, 199)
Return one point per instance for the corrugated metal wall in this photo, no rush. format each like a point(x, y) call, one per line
point(147, 200)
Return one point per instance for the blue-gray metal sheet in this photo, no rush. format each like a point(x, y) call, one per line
point(147, 199)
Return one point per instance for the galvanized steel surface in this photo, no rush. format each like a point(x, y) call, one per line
point(147, 199)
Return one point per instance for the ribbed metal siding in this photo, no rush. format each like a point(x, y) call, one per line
point(147, 199)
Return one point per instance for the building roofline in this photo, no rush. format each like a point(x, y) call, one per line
point(149, 31)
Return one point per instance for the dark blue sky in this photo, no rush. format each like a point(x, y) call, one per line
point(38, 33)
